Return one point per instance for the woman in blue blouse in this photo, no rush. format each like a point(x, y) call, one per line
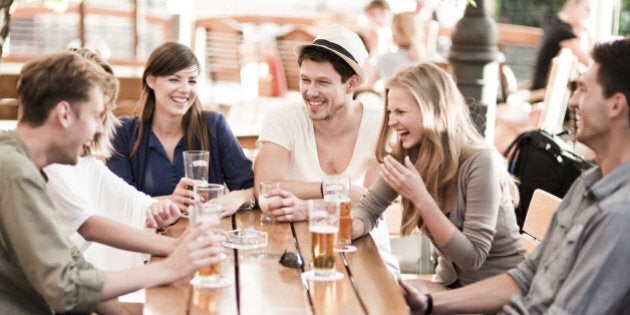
point(148, 149)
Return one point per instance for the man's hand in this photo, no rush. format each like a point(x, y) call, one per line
point(287, 207)
point(416, 301)
point(162, 214)
point(200, 246)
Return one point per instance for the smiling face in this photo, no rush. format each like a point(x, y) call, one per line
point(591, 107)
point(404, 116)
point(82, 126)
point(175, 93)
point(322, 90)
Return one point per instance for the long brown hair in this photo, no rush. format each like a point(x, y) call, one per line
point(448, 135)
point(166, 60)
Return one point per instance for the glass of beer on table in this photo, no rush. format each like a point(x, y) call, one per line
point(323, 225)
point(337, 188)
point(196, 166)
point(207, 209)
point(264, 199)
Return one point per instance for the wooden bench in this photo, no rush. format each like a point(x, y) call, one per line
point(130, 91)
point(539, 214)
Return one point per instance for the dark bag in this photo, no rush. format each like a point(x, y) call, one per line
point(537, 160)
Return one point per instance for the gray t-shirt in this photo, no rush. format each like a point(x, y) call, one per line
point(582, 266)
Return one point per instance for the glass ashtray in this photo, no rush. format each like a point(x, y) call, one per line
point(245, 239)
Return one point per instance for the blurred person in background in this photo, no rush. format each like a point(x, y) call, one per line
point(567, 29)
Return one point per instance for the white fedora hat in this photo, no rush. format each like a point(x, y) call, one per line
point(344, 43)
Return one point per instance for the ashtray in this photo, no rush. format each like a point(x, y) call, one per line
point(245, 239)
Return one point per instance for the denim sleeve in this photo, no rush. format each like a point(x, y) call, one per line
point(236, 168)
point(122, 143)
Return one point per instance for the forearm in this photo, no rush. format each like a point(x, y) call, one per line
point(121, 282)
point(112, 307)
point(486, 296)
point(303, 190)
point(118, 235)
point(441, 228)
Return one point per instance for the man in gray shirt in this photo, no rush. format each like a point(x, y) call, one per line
point(582, 266)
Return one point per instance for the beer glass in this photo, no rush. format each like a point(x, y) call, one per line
point(196, 167)
point(207, 209)
point(323, 225)
point(337, 188)
point(264, 200)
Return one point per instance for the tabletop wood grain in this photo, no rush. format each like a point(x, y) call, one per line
point(261, 285)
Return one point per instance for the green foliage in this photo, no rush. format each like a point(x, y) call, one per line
point(535, 13)
point(624, 18)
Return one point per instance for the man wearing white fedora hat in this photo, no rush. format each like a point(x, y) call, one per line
point(331, 133)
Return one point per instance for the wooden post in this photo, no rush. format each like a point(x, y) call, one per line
point(82, 12)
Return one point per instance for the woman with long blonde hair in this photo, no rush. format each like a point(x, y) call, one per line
point(454, 186)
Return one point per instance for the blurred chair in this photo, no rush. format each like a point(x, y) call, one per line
point(539, 214)
point(129, 96)
point(223, 39)
point(286, 43)
point(8, 96)
point(515, 118)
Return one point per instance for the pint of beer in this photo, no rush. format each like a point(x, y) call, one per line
point(344, 237)
point(337, 188)
point(208, 209)
point(323, 225)
point(264, 199)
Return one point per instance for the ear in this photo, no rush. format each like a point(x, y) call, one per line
point(352, 84)
point(151, 81)
point(619, 106)
point(63, 114)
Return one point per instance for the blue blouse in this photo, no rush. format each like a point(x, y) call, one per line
point(150, 170)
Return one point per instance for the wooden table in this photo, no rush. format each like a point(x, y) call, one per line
point(263, 286)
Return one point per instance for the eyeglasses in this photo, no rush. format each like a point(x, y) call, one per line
point(291, 260)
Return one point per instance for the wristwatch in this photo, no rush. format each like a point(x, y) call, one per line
point(250, 206)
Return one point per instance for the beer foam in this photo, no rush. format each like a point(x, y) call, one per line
point(323, 229)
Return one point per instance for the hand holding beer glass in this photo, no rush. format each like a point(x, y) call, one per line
point(264, 200)
point(207, 209)
point(337, 188)
point(323, 225)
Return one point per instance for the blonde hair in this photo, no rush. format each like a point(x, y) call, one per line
point(407, 33)
point(449, 135)
point(102, 143)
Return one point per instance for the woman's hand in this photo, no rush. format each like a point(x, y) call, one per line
point(230, 203)
point(183, 194)
point(162, 214)
point(404, 179)
point(287, 207)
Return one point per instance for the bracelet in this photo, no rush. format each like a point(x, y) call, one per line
point(251, 205)
point(429, 304)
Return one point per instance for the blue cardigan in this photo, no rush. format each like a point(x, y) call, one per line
point(150, 170)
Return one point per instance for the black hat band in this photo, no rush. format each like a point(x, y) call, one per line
point(335, 47)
